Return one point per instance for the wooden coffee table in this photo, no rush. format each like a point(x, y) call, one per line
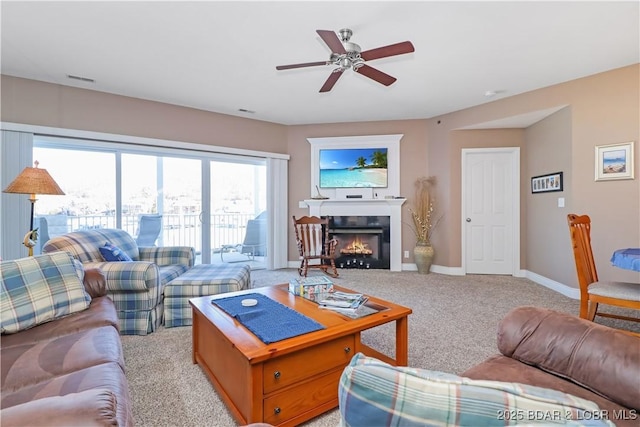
point(293, 380)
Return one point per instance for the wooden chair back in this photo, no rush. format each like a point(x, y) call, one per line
point(312, 239)
point(311, 234)
point(580, 230)
point(592, 290)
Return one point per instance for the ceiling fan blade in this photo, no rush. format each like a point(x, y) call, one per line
point(332, 40)
point(376, 75)
point(391, 50)
point(306, 64)
point(331, 81)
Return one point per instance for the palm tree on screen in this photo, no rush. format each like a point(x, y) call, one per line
point(379, 159)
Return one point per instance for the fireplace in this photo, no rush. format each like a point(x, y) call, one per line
point(388, 207)
point(363, 241)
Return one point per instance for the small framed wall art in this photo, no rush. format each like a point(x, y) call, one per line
point(614, 161)
point(546, 183)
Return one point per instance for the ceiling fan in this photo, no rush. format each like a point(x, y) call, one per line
point(346, 54)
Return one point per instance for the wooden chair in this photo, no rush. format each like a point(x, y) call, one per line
point(593, 291)
point(312, 237)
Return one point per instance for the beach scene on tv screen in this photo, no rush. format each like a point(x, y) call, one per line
point(353, 167)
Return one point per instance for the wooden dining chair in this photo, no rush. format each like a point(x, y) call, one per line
point(592, 290)
point(314, 246)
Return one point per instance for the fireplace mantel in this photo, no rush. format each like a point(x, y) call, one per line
point(391, 207)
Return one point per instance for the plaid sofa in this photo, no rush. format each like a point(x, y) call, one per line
point(136, 288)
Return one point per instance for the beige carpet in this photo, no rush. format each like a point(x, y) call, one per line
point(452, 328)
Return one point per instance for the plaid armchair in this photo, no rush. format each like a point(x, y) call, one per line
point(135, 287)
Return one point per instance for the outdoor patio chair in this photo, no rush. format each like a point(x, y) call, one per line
point(254, 243)
point(149, 228)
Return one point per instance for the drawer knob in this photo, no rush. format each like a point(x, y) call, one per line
point(276, 410)
point(347, 349)
point(276, 375)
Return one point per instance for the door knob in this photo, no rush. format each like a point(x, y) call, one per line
point(468, 219)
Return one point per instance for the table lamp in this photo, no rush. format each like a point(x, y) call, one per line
point(33, 181)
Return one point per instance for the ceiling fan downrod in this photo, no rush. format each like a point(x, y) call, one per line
point(351, 58)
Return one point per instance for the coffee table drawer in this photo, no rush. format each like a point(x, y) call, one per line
point(292, 368)
point(302, 398)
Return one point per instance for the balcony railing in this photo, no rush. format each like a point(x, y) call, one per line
point(178, 229)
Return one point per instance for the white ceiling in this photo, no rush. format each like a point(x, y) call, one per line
point(221, 56)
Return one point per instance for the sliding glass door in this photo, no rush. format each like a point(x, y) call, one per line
point(238, 212)
point(87, 178)
point(180, 202)
point(222, 216)
point(167, 186)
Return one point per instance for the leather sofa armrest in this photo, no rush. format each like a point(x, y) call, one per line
point(95, 282)
point(601, 359)
point(96, 407)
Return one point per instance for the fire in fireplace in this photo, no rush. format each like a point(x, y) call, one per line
point(356, 247)
point(363, 241)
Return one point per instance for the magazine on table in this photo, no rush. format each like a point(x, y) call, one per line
point(354, 313)
point(342, 300)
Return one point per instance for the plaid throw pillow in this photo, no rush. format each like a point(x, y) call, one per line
point(38, 289)
point(371, 390)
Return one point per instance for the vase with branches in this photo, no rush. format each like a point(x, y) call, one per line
point(424, 221)
point(423, 214)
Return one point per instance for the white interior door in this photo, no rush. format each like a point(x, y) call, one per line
point(490, 210)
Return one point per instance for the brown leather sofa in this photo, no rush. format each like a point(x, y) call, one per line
point(555, 350)
point(553, 368)
point(69, 371)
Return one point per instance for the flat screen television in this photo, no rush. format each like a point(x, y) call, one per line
point(353, 167)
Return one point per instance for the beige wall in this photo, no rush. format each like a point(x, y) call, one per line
point(600, 109)
point(547, 151)
point(44, 104)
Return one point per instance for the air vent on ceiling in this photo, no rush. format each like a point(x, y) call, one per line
point(82, 79)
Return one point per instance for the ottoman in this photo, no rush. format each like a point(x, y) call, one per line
point(201, 280)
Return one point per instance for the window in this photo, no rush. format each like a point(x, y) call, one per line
point(88, 180)
point(111, 185)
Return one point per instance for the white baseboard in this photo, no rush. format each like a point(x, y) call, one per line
point(520, 273)
point(450, 271)
point(565, 290)
point(561, 288)
point(407, 266)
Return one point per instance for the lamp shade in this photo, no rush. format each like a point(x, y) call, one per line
point(34, 181)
